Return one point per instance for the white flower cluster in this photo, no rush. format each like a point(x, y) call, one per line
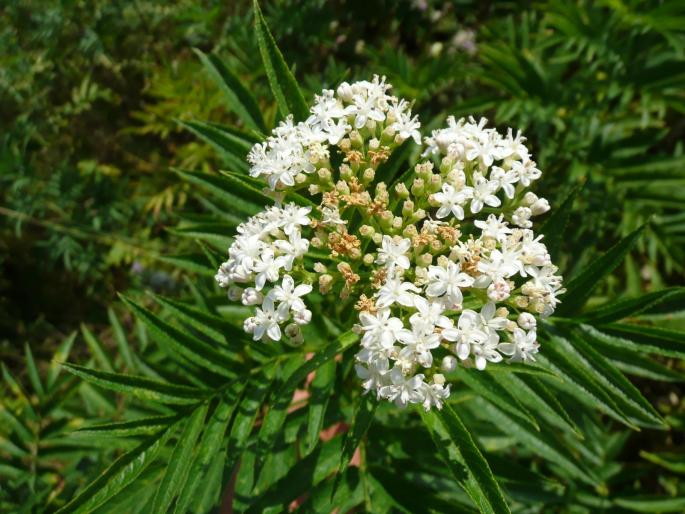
point(296, 149)
point(443, 268)
point(267, 246)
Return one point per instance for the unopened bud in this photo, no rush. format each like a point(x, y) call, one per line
point(449, 364)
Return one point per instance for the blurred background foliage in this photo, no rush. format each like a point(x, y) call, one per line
point(92, 94)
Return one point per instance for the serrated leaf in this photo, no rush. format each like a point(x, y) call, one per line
point(222, 189)
point(320, 391)
point(177, 469)
point(138, 427)
point(120, 474)
point(342, 343)
point(361, 421)
point(140, 387)
point(194, 350)
point(620, 309)
point(484, 385)
point(540, 443)
point(554, 227)
point(283, 84)
point(239, 98)
point(32, 370)
point(120, 338)
point(479, 483)
point(96, 349)
point(579, 289)
point(231, 148)
point(212, 444)
point(624, 393)
point(642, 338)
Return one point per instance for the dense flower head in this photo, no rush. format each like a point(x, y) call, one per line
point(441, 265)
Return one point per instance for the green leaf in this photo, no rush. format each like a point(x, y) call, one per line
point(223, 190)
point(239, 98)
point(179, 464)
point(579, 289)
point(120, 338)
point(555, 226)
point(484, 385)
point(342, 343)
point(387, 171)
point(642, 338)
point(480, 483)
point(177, 342)
point(211, 445)
point(97, 349)
point(578, 380)
point(283, 84)
point(253, 188)
point(140, 387)
point(651, 503)
point(624, 393)
point(533, 392)
point(320, 391)
point(671, 461)
point(32, 370)
point(620, 309)
point(232, 148)
point(61, 355)
point(138, 427)
point(120, 474)
point(540, 443)
point(361, 421)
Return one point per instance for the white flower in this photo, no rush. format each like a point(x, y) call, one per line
point(448, 282)
point(396, 291)
point(393, 254)
point(523, 348)
point(267, 319)
point(452, 201)
point(418, 345)
point(381, 327)
point(483, 194)
point(251, 296)
point(403, 389)
point(468, 332)
point(494, 227)
point(267, 268)
point(289, 294)
point(294, 217)
point(526, 321)
point(434, 394)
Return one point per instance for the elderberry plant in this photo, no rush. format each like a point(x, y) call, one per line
point(447, 270)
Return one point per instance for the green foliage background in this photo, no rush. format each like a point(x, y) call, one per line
point(113, 134)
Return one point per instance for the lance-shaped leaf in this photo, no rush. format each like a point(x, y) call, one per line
point(361, 421)
point(229, 146)
point(212, 444)
point(283, 84)
point(223, 190)
point(642, 338)
point(120, 474)
point(620, 309)
point(579, 289)
point(477, 478)
point(179, 464)
point(138, 427)
point(318, 401)
point(140, 387)
point(240, 100)
point(555, 226)
point(176, 341)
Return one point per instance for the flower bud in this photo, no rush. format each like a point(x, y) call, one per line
point(302, 317)
point(449, 364)
point(418, 187)
point(356, 139)
point(252, 297)
point(402, 191)
point(294, 333)
point(324, 175)
point(319, 267)
point(407, 208)
point(345, 92)
point(368, 175)
point(529, 199)
point(249, 325)
point(368, 259)
point(439, 379)
point(425, 259)
point(499, 291)
point(325, 282)
point(300, 178)
point(541, 206)
point(234, 293)
point(366, 231)
point(526, 321)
